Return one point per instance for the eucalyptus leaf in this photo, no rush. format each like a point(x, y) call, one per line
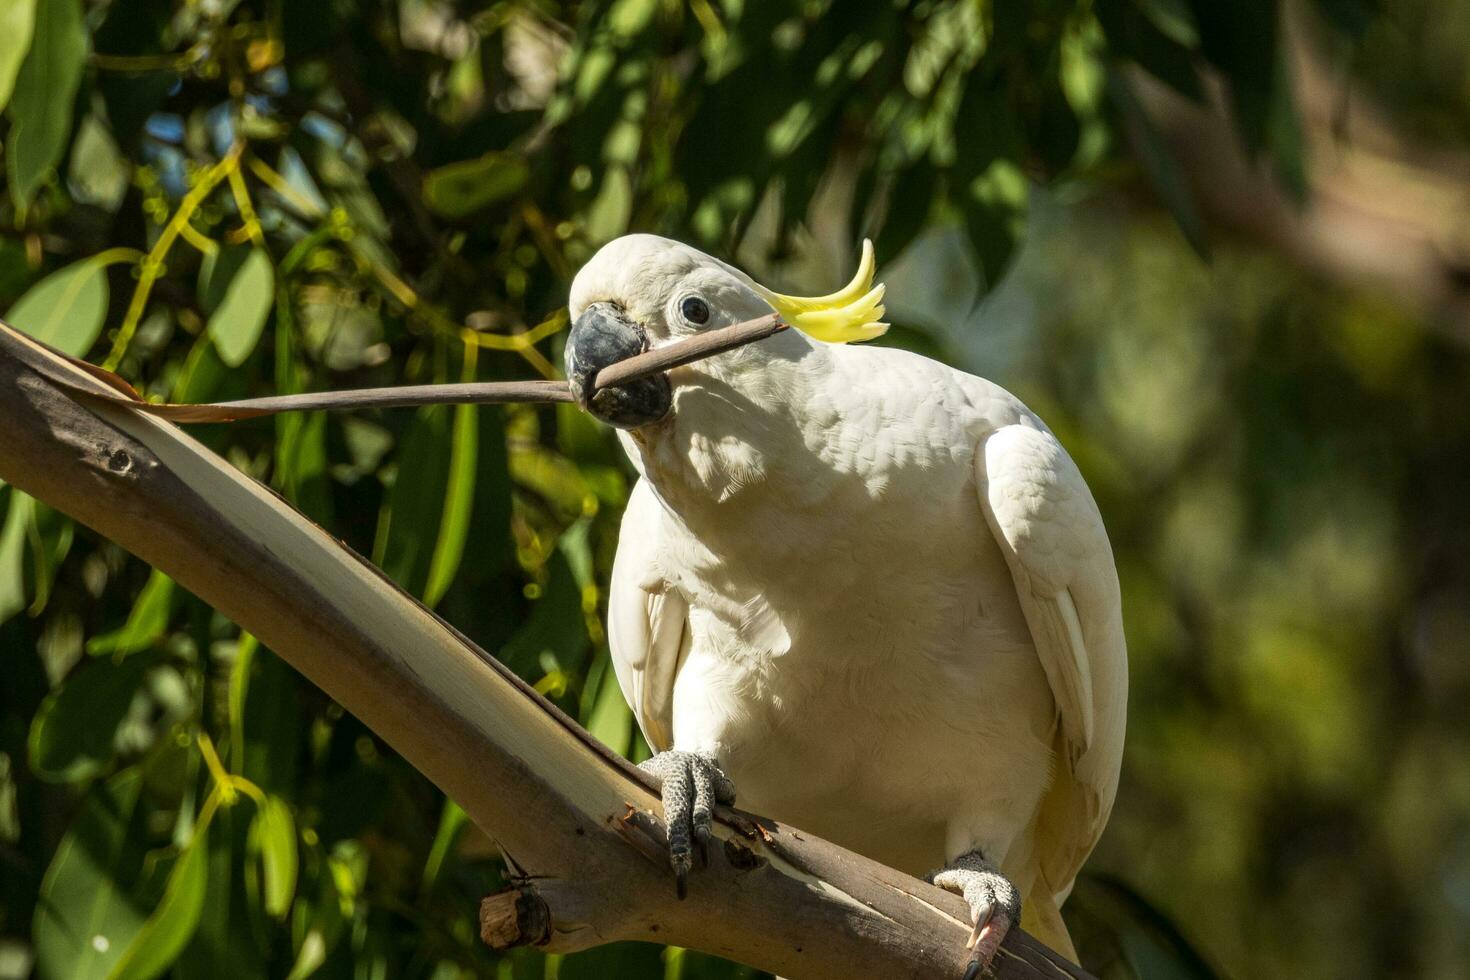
point(459, 497)
point(87, 913)
point(146, 623)
point(172, 924)
point(17, 24)
point(18, 516)
point(66, 308)
point(409, 527)
point(272, 841)
point(73, 733)
point(609, 718)
point(236, 324)
point(458, 190)
point(41, 104)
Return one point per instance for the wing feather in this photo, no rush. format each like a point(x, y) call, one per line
point(647, 621)
point(1049, 529)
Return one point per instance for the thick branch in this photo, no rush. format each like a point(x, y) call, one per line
point(577, 819)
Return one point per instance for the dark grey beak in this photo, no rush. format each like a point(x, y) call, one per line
point(603, 335)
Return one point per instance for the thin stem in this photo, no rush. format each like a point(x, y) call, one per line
point(152, 265)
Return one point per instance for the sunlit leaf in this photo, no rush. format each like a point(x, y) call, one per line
point(311, 955)
point(45, 89)
point(72, 734)
point(12, 552)
point(272, 841)
point(66, 308)
point(17, 21)
point(237, 322)
point(86, 915)
point(452, 820)
point(98, 171)
point(146, 623)
point(172, 924)
point(459, 498)
point(457, 190)
point(608, 717)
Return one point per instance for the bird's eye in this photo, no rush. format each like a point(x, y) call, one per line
point(694, 309)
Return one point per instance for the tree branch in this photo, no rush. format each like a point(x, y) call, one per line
point(1381, 212)
point(579, 823)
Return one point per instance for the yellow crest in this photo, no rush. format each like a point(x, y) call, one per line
point(852, 313)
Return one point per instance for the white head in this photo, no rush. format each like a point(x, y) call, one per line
point(640, 291)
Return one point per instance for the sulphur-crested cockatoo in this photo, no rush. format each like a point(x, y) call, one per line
point(867, 590)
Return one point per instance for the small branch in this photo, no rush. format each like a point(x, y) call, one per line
point(663, 358)
point(579, 822)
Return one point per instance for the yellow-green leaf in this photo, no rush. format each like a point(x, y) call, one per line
point(610, 720)
point(12, 554)
point(86, 915)
point(273, 839)
point(459, 499)
point(460, 189)
point(45, 89)
point(236, 325)
point(147, 621)
point(17, 21)
point(171, 926)
point(66, 308)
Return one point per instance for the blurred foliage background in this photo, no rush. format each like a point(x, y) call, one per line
point(1221, 248)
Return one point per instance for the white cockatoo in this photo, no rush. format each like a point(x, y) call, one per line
point(867, 590)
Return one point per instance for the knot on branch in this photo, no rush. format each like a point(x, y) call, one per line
point(514, 917)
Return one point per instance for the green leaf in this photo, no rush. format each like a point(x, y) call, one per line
point(608, 718)
point(272, 841)
point(458, 190)
point(171, 926)
point(414, 507)
point(235, 326)
point(86, 915)
point(146, 623)
point(17, 22)
point(1158, 163)
point(45, 89)
point(12, 554)
point(452, 820)
point(66, 308)
point(270, 717)
point(73, 732)
point(459, 499)
point(557, 625)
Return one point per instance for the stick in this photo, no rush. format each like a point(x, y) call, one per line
point(664, 358)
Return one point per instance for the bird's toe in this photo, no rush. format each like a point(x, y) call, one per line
point(691, 783)
point(995, 905)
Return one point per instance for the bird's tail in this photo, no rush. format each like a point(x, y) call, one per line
point(1041, 913)
point(1041, 917)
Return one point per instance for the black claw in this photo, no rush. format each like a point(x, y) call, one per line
point(972, 971)
point(681, 883)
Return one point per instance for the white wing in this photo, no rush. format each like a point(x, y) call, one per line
point(1049, 528)
point(647, 621)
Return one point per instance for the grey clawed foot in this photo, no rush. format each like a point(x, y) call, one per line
point(691, 783)
point(995, 905)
